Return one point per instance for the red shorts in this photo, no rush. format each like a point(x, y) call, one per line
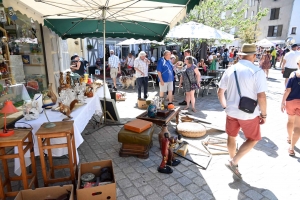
point(250, 127)
point(293, 107)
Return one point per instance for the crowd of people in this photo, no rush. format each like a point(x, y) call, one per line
point(244, 82)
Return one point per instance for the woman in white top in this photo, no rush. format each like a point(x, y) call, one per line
point(141, 64)
point(129, 63)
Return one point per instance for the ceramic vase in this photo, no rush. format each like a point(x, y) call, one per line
point(152, 110)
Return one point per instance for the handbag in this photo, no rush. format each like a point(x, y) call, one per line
point(246, 104)
point(194, 85)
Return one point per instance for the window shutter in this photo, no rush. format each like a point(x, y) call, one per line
point(270, 31)
point(279, 30)
point(272, 14)
point(277, 10)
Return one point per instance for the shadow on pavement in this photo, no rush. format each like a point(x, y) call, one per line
point(246, 190)
point(265, 145)
point(273, 80)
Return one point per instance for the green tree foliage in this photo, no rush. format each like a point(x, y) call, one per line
point(227, 14)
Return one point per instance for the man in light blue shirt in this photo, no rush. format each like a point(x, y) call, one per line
point(115, 67)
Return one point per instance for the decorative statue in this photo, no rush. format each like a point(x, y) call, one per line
point(30, 110)
point(68, 78)
point(61, 79)
point(164, 130)
point(168, 143)
point(51, 94)
point(66, 110)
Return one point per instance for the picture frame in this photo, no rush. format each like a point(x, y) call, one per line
point(37, 60)
point(2, 15)
point(26, 59)
point(111, 113)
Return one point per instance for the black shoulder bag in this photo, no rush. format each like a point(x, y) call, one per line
point(246, 104)
point(194, 85)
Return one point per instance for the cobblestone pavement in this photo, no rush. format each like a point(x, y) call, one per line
point(268, 171)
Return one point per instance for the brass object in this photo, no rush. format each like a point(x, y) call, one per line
point(66, 110)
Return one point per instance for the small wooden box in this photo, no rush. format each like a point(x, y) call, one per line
point(142, 104)
point(162, 113)
point(138, 125)
point(183, 150)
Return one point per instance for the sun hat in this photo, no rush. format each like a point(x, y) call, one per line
point(247, 49)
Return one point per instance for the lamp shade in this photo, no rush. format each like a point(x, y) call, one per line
point(8, 108)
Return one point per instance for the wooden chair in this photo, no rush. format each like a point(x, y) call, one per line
point(44, 135)
point(22, 138)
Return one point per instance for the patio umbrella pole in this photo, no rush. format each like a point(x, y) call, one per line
point(104, 111)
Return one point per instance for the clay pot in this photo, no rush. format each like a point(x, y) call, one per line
point(164, 130)
point(89, 93)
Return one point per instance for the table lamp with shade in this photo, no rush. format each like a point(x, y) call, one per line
point(7, 109)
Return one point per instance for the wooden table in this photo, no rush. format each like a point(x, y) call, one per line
point(22, 139)
point(61, 130)
point(160, 121)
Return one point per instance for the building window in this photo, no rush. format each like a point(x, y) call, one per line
point(294, 30)
point(252, 15)
point(274, 13)
point(246, 13)
point(275, 31)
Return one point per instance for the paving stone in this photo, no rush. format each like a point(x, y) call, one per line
point(148, 176)
point(190, 174)
point(138, 197)
point(176, 174)
point(186, 195)
point(199, 181)
point(124, 183)
point(128, 170)
point(133, 176)
point(142, 169)
point(268, 194)
point(169, 181)
point(131, 192)
point(177, 188)
point(184, 181)
point(119, 176)
point(155, 183)
point(162, 190)
point(154, 196)
point(146, 190)
point(193, 188)
point(171, 196)
point(253, 194)
point(203, 195)
point(139, 182)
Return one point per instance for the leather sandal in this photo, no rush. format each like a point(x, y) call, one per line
point(291, 152)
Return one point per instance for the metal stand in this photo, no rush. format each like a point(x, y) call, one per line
point(48, 124)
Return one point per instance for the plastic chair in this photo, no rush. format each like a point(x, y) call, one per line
point(151, 80)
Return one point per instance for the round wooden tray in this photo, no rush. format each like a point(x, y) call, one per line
point(191, 129)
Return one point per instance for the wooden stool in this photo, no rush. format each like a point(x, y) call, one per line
point(44, 135)
point(21, 138)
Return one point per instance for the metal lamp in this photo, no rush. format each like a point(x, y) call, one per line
point(7, 109)
point(48, 124)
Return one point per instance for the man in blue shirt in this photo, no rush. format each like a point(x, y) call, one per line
point(165, 75)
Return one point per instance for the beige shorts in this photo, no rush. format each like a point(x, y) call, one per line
point(168, 86)
point(114, 72)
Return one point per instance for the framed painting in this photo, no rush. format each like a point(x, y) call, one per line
point(37, 60)
point(26, 59)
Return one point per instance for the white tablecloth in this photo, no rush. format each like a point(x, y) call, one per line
point(81, 117)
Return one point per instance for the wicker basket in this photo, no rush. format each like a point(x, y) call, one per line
point(186, 119)
point(191, 129)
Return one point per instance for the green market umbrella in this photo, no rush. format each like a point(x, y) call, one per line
point(138, 19)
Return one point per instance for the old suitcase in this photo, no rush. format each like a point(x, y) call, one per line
point(138, 125)
point(134, 144)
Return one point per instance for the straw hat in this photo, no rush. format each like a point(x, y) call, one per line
point(247, 49)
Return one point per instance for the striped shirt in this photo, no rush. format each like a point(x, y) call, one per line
point(141, 65)
point(114, 61)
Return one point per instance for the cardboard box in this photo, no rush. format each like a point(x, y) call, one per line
point(138, 125)
point(108, 191)
point(45, 192)
point(142, 104)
